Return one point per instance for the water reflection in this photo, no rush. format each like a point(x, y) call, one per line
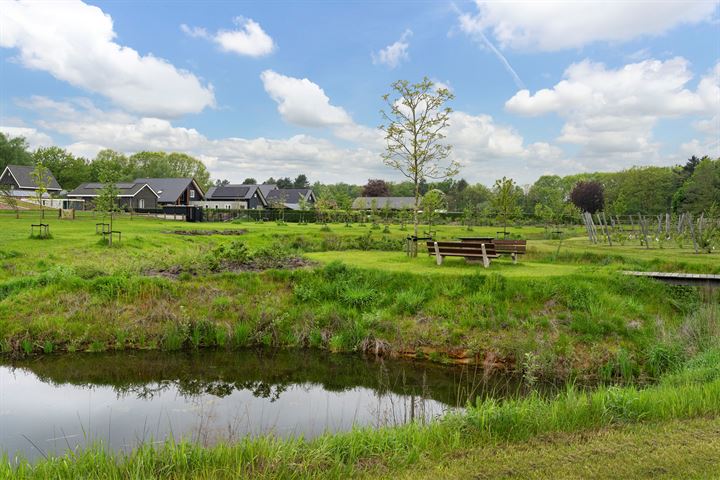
point(55, 403)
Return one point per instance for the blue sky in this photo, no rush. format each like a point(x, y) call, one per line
point(280, 88)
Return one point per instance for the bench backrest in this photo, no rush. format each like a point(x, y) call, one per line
point(511, 246)
point(460, 248)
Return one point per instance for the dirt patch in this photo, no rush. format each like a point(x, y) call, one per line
point(208, 232)
point(290, 263)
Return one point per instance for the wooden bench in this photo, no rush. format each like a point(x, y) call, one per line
point(513, 247)
point(43, 230)
point(470, 250)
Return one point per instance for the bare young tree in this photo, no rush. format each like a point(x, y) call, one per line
point(7, 197)
point(41, 176)
point(415, 118)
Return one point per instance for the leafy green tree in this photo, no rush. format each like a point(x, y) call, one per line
point(13, 151)
point(647, 190)
point(169, 165)
point(702, 189)
point(69, 170)
point(301, 181)
point(588, 196)
point(415, 118)
point(376, 187)
point(108, 162)
point(506, 201)
point(284, 182)
point(249, 181)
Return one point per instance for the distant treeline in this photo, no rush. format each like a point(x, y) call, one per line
point(693, 187)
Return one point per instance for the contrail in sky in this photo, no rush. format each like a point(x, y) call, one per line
point(518, 82)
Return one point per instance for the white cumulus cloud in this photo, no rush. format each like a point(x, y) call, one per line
point(302, 102)
point(395, 53)
point(558, 25)
point(247, 39)
point(33, 137)
point(611, 113)
point(75, 43)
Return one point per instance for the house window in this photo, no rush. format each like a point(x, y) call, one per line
point(227, 206)
point(141, 203)
point(192, 193)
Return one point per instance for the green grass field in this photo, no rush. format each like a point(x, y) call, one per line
point(563, 312)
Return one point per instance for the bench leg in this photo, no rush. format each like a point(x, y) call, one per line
point(438, 257)
point(486, 260)
point(514, 257)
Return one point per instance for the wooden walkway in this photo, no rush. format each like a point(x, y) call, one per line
point(695, 279)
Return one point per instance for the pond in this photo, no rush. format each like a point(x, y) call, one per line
point(54, 403)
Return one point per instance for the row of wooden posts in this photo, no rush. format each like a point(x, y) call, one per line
point(643, 226)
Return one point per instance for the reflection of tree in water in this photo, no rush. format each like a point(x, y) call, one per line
point(196, 387)
point(266, 374)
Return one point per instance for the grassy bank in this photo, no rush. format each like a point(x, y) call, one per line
point(547, 317)
point(486, 426)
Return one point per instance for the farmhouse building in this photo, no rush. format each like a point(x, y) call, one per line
point(23, 185)
point(174, 191)
point(234, 197)
point(131, 195)
point(290, 198)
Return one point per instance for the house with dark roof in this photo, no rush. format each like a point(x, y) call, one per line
point(20, 178)
point(393, 203)
point(131, 195)
point(234, 197)
point(174, 191)
point(291, 198)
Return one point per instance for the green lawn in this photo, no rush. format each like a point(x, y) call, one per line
point(677, 449)
point(426, 265)
point(558, 314)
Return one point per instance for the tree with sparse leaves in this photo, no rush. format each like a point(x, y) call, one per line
point(415, 118)
point(432, 202)
point(506, 201)
point(41, 176)
point(106, 201)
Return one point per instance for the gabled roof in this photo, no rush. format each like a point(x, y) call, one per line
point(235, 193)
point(290, 195)
point(266, 188)
point(231, 192)
point(23, 176)
point(169, 189)
point(395, 203)
point(125, 189)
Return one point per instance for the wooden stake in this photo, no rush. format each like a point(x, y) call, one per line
point(692, 232)
point(607, 230)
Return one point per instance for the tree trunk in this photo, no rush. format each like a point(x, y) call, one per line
point(417, 205)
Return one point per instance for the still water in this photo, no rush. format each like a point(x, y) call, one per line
point(56, 403)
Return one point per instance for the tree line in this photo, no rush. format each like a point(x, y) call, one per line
point(693, 187)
